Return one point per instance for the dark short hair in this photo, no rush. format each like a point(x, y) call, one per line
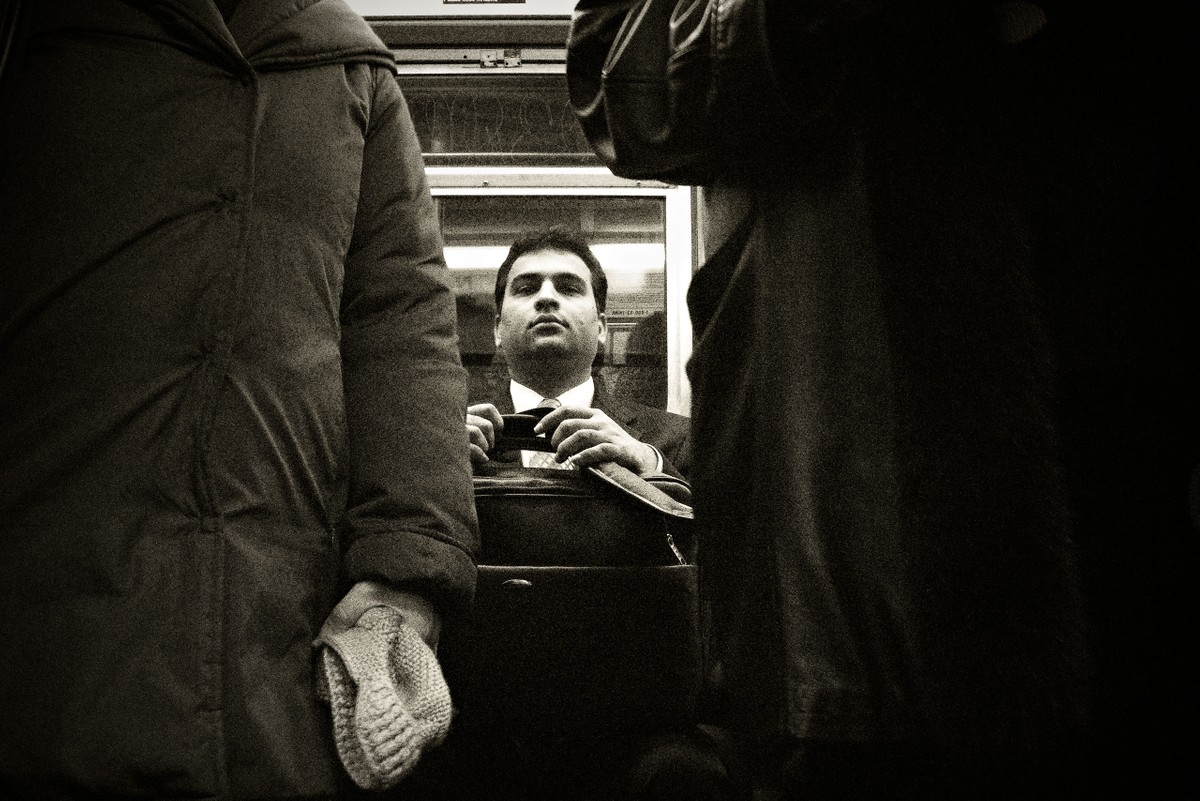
point(562, 239)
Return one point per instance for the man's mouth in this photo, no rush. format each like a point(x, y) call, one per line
point(547, 320)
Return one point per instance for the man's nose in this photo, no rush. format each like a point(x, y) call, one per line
point(547, 295)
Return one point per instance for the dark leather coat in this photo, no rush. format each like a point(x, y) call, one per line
point(877, 477)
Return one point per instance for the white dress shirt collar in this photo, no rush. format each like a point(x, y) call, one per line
point(525, 398)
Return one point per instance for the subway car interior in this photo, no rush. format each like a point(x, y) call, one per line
point(916, 477)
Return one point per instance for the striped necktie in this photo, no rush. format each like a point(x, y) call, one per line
point(545, 459)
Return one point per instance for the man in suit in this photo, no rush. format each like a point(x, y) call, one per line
point(550, 299)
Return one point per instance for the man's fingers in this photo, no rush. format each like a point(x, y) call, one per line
point(589, 436)
point(480, 434)
point(562, 414)
point(485, 420)
point(478, 455)
point(570, 442)
point(604, 452)
point(590, 446)
point(596, 428)
point(598, 445)
point(488, 412)
point(484, 424)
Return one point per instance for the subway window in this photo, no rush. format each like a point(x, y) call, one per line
point(640, 233)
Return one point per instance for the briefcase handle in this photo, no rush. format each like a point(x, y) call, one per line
point(519, 435)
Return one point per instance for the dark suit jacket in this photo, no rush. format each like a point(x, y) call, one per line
point(664, 430)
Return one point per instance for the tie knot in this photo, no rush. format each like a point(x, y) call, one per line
point(551, 403)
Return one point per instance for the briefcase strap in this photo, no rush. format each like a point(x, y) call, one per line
point(637, 487)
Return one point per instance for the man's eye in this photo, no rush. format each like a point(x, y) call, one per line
point(522, 289)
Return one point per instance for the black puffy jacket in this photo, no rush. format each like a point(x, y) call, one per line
point(226, 328)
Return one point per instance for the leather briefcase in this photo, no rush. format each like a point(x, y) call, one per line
point(586, 610)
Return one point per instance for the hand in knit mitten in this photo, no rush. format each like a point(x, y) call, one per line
point(415, 609)
point(387, 695)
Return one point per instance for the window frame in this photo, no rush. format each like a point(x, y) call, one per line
point(678, 216)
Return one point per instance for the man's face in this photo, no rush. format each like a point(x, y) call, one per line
point(549, 310)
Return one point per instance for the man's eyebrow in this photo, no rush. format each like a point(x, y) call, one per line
point(524, 278)
point(553, 275)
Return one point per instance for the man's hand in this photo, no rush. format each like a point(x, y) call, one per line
point(484, 424)
point(589, 436)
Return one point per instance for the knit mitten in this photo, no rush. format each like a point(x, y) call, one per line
point(387, 695)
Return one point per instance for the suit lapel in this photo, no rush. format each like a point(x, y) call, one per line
point(624, 415)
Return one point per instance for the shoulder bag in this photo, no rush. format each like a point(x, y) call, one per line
point(638, 77)
point(686, 91)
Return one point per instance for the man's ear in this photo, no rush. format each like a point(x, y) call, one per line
point(496, 331)
point(602, 336)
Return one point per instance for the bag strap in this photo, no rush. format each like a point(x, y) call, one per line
point(640, 489)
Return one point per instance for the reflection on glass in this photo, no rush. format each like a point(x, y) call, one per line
point(511, 115)
point(628, 237)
